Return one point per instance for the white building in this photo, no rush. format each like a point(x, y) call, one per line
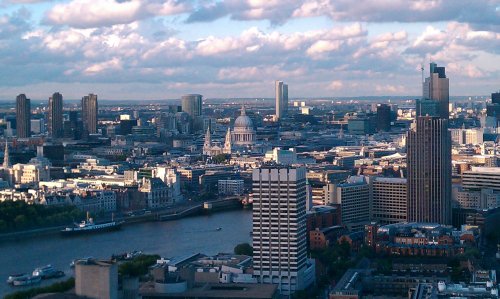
point(484, 199)
point(230, 187)
point(467, 136)
point(280, 156)
point(481, 178)
point(37, 169)
point(279, 228)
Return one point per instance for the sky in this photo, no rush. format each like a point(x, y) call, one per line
point(161, 49)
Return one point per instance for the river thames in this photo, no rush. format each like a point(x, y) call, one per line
point(168, 239)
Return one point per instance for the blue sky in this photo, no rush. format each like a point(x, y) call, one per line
point(156, 49)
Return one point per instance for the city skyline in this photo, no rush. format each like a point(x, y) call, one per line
point(163, 49)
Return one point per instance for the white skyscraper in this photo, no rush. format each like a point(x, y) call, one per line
point(279, 228)
point(281, 99)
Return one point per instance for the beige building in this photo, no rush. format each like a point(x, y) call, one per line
point(96, 279)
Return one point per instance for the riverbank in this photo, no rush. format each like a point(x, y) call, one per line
point(165, 215)
point(207, 233)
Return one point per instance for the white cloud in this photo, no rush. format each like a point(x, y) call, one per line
point(97, 13)
point(335, 85)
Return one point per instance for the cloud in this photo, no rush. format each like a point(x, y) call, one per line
point(125, 43)
point(14, 24)
point(279, 12)
point(97, 13)
point(335, 85)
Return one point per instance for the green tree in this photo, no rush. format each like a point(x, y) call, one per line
point(138, 266)
point(243, 249)
point(221, 158)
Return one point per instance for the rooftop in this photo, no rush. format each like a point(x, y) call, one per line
point(232, 290)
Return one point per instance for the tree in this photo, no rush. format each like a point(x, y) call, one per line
point(243, 249)
point(219, 159)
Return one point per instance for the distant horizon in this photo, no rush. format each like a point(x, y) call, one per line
point(326, 98)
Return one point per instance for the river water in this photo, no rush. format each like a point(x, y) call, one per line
point(168, 239)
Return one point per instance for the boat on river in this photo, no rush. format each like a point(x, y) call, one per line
point(14, 277)
point(47, 272)
point(88, 226)
point(27, 281)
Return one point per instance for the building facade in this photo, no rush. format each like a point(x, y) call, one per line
point(89, 114)
point(23, 116)
point(281, 104)
point(429, 171)
point(192, 104)
point(279, 228)
point(55, 124)
point(388, 200)
point(436, 88)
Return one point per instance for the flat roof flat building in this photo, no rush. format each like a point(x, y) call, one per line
point(89, 114)
point(279, 228)
point(96, 279)
point(23, 116)
point(55, 124)
point(428, 145)
point(281, 104)
point(192, 104)
point(388, 200)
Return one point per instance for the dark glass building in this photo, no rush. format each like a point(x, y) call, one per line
point(55, 117)
point(89, 114)
point(383, 117)
point(429, 171)
point(23, 116)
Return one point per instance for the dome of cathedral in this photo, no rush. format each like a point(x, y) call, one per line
point(243, 121)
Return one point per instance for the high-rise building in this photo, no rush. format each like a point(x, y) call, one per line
point(388, 200)
point(353, 197)
point(281, 90)
point(55, 124)
point(279, 228)
point(23, 116)
point(192, 104)
point(429, 170)
point(383, 117)
point(495, 98)
point(89, 114)
point(436, 87)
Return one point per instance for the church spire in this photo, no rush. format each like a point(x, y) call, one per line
point(227, 142)
point(243, 111)
point(6, 158)
point(207, 146)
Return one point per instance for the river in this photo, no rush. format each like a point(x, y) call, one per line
point(169, 239)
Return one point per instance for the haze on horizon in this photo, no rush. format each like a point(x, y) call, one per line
point(158, 49)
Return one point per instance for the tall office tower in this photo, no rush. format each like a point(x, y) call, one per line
point(436, 88)
point(89, 114)
point(192, 104)
point(55, 124)
point(388, 200)
point(383, 117)
point(279, 228)
point(23, 116)
point(428, 147)
point(495, 98)
point(281, 99)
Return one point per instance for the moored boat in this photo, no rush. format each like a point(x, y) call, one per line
point(44, 271)
point(14, 277)
point(26, 281)
point(88, 226)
